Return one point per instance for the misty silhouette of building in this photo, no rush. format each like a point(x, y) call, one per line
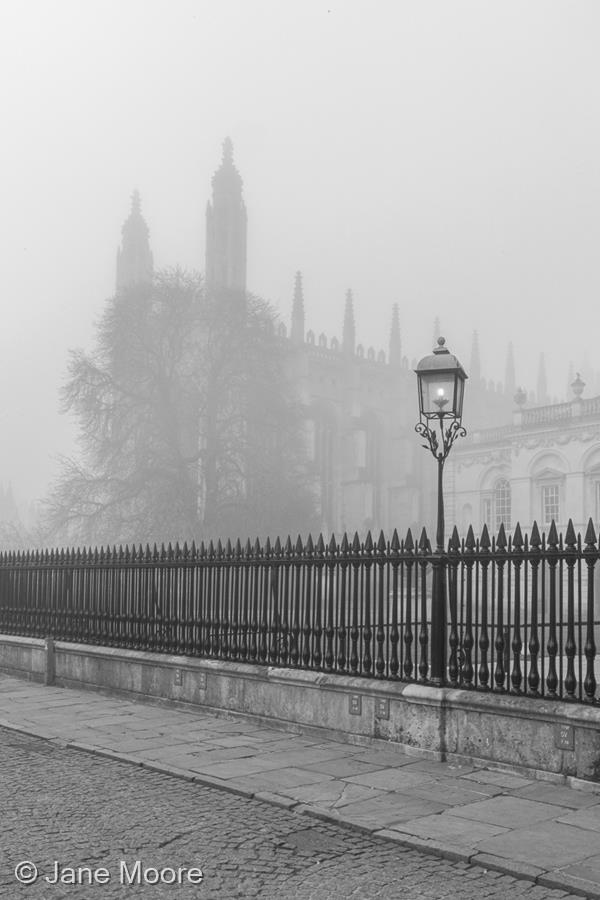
point(367, 464)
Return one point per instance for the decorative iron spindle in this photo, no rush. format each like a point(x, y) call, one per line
point(591, 557)
point(367, 661)
point(224, 554)
point(318, 606)
point(284, 648)
point(380, 661)
point(516, 676)
point(484, 637)
point(552, 646)
point(245, 601)
point(265, 570)
point(570, 647)
point(409, 547)
point(394, 632)
point(467, 671)
point(453, 563)
point(354, 632)
point(329, 623)
point(499, 672)
point(235, 600)
point(308, 585)
point(275, 636)
point(255, 600)
point(295, 643)
point(343, 605)
point(424, 548)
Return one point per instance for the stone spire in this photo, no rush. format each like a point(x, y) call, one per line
point(395, 342)
point(510, 381)
point(134, 258)
point(475, 364)
point(349, 334)
point(542, 383)
point(226, 227)
point(297, 332)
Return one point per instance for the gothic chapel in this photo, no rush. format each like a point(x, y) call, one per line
point(369, 469)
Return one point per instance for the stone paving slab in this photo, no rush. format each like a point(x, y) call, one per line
point(391, 779)
point(343, 766)
point(584, 818)
point(444, 791)
point(558, 796)
point(549, 845)
point(542, 831)
point(451, 829)
point(510, 812)
point(505, 780)
point(332, 794)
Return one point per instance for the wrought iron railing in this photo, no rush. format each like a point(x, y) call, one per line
point(520, 612)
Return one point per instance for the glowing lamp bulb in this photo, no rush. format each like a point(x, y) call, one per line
point(440, 398)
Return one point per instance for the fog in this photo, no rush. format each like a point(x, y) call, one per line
point(440, 155)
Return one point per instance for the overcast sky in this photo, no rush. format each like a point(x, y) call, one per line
point(442, 155)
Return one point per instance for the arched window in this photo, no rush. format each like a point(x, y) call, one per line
point(502, 503)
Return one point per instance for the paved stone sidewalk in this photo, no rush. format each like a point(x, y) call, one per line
point(537, 830)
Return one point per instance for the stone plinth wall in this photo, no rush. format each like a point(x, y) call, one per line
point(546, 737)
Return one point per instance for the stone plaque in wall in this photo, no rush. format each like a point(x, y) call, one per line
point(355, 704)
point(382, 708)
point(564, 737)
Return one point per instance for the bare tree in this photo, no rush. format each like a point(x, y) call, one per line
point(188, 425)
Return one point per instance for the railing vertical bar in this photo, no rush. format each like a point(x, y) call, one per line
point(467, 636)
point(319, 569)
point(407, 667)
point(331, 587)
point(367, 666)
point(484, 638)
point(452, 564)
point(552, 646)
point(516, 676)
point(570, 682)
point(394, 600)
point(579, 620)
point(354, 631)
point(591, 558)
point(421, 556)
point(499, 671)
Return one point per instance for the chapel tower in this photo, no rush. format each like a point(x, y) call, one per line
point(226, 224)
point(134, 258)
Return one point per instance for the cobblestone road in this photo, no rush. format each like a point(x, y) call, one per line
point(86, 811)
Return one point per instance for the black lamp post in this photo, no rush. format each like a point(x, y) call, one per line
point(441, 385)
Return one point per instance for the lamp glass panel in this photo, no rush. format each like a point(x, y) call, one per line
point(460, 393)
point(437, 393)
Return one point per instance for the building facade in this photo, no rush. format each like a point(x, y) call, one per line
point(545, 466)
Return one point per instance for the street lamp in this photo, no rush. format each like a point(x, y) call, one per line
point(441, 386)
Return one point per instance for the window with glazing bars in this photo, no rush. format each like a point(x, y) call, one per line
point(550, 503)
point(502, 503)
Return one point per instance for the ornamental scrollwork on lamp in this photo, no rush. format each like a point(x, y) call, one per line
point(448, 435)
